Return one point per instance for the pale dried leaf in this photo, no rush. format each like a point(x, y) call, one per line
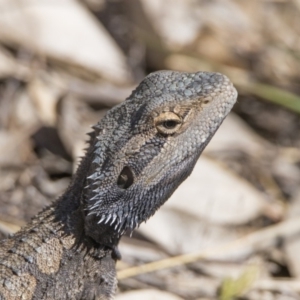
point(23, 112)
point(235, 134)
point(15, 148)
point(214, 194)
point(218, 16)
point(64, 31)
point(175, 21)
point(178, 232)
point(44, 95)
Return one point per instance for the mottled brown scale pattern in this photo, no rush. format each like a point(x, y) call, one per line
point(49, 257)
point(138, 154)
point(67, 242)
point(18, 287)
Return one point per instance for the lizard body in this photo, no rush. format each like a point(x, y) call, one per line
point(138, 155)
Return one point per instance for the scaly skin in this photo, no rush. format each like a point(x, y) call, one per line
point(139, 153)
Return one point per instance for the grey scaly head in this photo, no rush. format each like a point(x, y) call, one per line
point(145, 147)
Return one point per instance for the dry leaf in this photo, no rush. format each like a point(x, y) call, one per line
point(24, 114)
point(214, 194)
point(44, 95)
point(178, 232)
point(64, 31)
point(235, 134)
point(175, 21)
point(15, 148)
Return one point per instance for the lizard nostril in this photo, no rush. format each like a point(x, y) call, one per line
point(125, 179)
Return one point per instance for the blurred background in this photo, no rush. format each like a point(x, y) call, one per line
point(233, 227)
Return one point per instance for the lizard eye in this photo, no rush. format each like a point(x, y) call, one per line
point(167, 123)
point(125, 179)
point(170, 124)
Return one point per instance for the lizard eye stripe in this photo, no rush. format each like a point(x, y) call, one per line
point(125, 179)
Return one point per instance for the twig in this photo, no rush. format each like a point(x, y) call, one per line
point(256, 241)
point(278, 285)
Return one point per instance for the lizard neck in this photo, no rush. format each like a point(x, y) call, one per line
point(69, 212)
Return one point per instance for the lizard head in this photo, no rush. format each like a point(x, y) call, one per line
point(145, 147)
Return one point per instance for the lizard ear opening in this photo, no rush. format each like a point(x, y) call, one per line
point(125, 179)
